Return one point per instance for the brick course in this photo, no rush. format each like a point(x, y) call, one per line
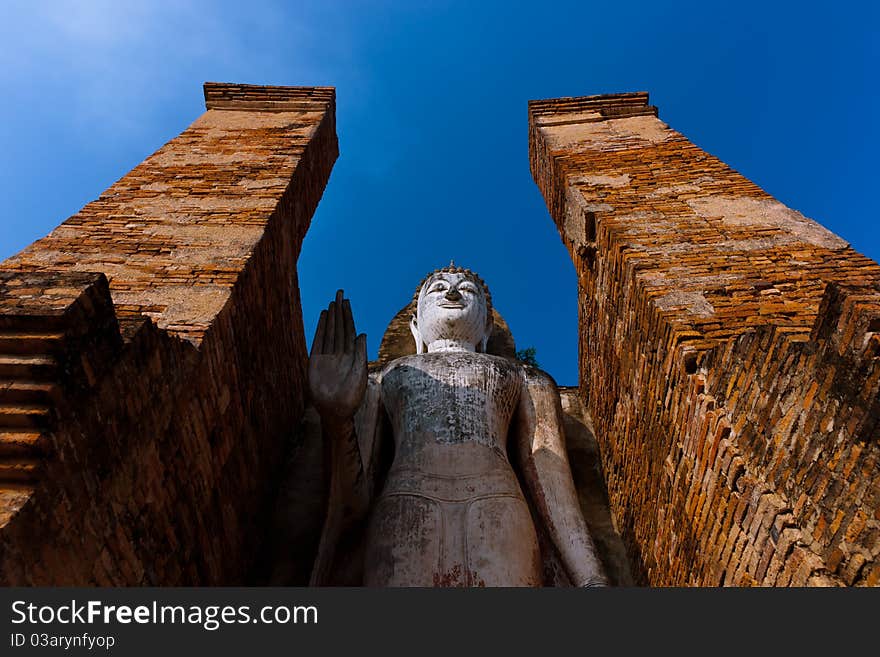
point(729, 355)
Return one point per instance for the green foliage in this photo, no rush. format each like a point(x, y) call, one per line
point(527, 356)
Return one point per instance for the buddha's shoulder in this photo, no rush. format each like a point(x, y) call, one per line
point(455, 360)
point(536, 377)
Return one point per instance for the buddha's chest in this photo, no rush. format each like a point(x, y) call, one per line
point(454, 397)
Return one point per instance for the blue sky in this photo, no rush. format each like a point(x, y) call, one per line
point(432, 123)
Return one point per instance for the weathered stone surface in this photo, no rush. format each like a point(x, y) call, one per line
point(300, 506)
point(162, 330)
point(729, 354)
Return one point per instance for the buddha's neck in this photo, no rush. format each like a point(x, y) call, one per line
point(450, 345)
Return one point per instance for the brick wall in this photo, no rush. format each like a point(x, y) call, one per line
point(729, 355)
point(152, 355)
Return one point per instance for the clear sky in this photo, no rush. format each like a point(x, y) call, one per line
point(432, 121)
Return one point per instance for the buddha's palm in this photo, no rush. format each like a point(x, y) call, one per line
point(338, 362)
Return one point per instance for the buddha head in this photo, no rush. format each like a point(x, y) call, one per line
point(453, 312)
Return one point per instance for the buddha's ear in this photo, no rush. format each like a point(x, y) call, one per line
point(490, 324)
point(417, 335)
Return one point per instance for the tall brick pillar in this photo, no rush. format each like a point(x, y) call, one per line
point(729, 355)
point(152, 355)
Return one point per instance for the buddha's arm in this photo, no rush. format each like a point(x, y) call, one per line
point(350, 444)
point(340, 390)
point(541, 448)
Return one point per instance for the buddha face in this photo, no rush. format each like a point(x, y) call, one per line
point(451, 309)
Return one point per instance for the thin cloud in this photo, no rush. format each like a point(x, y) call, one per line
point(99, 56)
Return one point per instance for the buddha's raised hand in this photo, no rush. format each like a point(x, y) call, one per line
point(337, 362)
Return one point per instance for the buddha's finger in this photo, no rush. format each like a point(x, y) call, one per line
point(348, 320)
point(330, 333)
point(360, 348)
point(318, 340)
point(339, 325)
